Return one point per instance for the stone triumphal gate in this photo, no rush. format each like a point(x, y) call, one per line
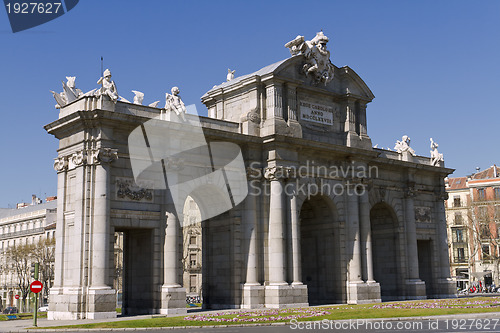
point(300, 236)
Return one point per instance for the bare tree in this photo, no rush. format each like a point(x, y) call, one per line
point(44, 254)
point(19, 257)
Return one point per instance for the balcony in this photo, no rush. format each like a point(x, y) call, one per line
point(460, 259)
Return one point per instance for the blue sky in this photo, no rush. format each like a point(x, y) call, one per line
point(432, 65)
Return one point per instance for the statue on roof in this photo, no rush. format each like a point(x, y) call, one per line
point(108, 86)
point(318, 63)
point(230, 74)
point(436, 157)
point(404, 145)
point(174, 103)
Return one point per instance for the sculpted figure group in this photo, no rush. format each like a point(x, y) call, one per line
point(317, 57)
point(173, 102)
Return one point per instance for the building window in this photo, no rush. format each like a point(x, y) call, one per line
point(460, 255)
point(456, 202)
point(192, 283)
point(458, 235)
point(484, 231)
point(458, 219)
point(480, 194)
point(482, 213)
point(485, 250)
point(192, 240)
point(497, 193)
point(192, 260)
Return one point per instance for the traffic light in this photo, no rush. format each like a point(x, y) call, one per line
point(34, 270)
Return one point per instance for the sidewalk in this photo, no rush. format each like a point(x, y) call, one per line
point(25, 325)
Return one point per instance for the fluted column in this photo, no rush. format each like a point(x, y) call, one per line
point(100, 227)
point(274, 101)
point(366, 237)
point(292, 102)
point(276, 235)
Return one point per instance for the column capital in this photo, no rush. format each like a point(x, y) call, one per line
point(441, 194)
point(277, 172)
point(410, 191)
point(78, 158)
point(254, 173)
point(60, 164)
point(102, 155)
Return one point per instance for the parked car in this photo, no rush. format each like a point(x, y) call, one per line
point(10, 310)
point(44, 308)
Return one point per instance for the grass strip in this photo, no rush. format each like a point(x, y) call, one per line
point(336, 312)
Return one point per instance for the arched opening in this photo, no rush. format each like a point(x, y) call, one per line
point(321, 264)
point(386, 251)
point(192, 251)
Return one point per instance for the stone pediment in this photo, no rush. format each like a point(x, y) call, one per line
point(302, 96)
point(345, 80)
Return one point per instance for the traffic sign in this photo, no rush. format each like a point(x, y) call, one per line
point(16, 297)
point(36, 286)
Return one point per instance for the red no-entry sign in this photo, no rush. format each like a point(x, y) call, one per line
point(36, 287)
point(17, 296)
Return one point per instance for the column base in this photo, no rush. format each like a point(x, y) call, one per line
point(286, 296)
point(363, 292)
point(173, 300)
point(72, 303)
point(447, 288)
point(252, 296)
point(415, 289)
point(101, 303)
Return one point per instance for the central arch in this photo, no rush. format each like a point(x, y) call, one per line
point(386, 251)
point(320, 251)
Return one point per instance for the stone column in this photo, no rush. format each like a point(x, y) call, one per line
point(355, 284)
point(362, 120)
point(274, 101)
point(372, 288)
point(61, 166)
point(292, 102)
point(354, 247)
point(446, 286)
point(276, 227)
point(366, 237)
point(295, 234)
point(173, 295)
point(100, 227)
point(415, 287)
point(57, 291)
point(101, 299)
point(170, 252)
point(253, 291)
